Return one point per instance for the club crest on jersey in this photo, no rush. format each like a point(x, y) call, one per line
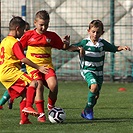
point(48, 40)
point(101, 48)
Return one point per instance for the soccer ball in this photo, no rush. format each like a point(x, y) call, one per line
point(56, 115)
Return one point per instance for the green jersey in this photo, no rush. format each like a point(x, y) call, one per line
point(93, 60)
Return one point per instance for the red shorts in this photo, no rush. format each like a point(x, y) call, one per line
point(38, 75)
point(19, 87)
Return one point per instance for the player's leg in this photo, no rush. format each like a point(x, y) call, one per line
point(95, 90)
point(39, 101)
point(16, 91)
point(53, 91)
point(10, 103)
point(24, 117)
point(26, 82)
point(92, 84)
point(4, 99)
point(30, 96)
point(52, 84)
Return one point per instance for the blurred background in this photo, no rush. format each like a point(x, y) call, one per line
point(73, 17)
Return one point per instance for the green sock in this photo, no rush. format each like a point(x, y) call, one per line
point(91, 100)
point(4, 98)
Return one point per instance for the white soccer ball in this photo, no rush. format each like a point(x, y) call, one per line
point(56, 115)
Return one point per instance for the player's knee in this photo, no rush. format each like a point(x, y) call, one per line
point(94, 88)
point(54, 88)
point(40, 86)
point(34, 83)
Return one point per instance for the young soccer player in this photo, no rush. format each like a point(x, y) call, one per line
point(40, 41)
point(92, 52)
point(14, 80)
point(6, 96)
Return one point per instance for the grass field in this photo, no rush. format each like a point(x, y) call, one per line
point(113, 112)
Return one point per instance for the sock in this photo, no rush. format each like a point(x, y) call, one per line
point(30, 95)
point(11, 100)
point(91, 100)
point(22, 115)
point(95, 101)
point(51, 103)
point(4, 98)
point(40, 106)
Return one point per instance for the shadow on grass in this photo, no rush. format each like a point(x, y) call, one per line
point(99, 120)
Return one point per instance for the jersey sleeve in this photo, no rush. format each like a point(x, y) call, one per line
point(109, 47)
point(57, 42)
point(18, 50)
point(24, 40)
point(81, 43)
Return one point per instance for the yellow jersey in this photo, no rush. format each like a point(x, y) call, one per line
point(39, 47)
point(10, 64)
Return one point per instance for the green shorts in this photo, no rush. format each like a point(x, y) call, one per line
point(91, 78)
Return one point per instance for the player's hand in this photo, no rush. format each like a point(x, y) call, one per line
point(43, 69)
point(81, 52)
point(126, 48)
point(66, 40)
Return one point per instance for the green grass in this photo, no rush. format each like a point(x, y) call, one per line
point(113, 112)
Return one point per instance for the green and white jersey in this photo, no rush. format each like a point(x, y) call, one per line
point(93, 60)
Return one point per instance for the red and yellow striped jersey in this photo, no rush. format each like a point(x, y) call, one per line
point(39, 47)
point(9, 63)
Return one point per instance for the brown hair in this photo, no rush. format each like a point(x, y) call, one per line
point(42, 15)
point(96, 23)
point(27, 26)
point(16, 21)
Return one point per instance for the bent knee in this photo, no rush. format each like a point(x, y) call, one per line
point(34, 83)
point(94, 88)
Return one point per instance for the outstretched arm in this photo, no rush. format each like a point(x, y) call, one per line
point(120, 48)
point(78, 49)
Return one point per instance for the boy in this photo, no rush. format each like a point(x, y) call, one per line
point(14, 80)
point(92, 52)
point(6, 96)
point(40, 42)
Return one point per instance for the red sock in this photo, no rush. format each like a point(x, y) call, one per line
point(22, 115)
point(30, 95)
point(40, 106)
point(51, 102)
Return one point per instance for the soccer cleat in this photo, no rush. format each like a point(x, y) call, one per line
point(41, 118)
point(10, 104)
point(50, 107)
point(1, 107)
point(87, 114)
point(24, 122)
point(30, 110)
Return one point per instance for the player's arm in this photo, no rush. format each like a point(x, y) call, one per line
point(18, 52)
point(112, 48)
point(66, 41)
point(24, 39)
point(73, 48)
point(42, 69)
point(120, 48)
point(79, 49)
